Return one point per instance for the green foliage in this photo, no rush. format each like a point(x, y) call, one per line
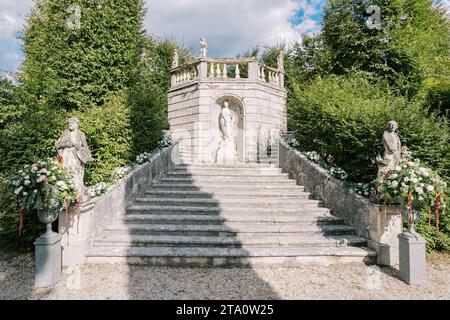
point(344, 118)
point(436, 240)
point(437, 96)
point(74, 68)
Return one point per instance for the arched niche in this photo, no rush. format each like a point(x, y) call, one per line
point(237, 107)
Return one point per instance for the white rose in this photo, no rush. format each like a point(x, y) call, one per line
point(406, 179)
point(35, 191)
point(419, 190)
point(27, 182)
point(25, 193)
point(17, 191)
point(394, 184)
point(430, 188)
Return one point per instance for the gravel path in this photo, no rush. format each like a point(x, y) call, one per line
point(306, 282)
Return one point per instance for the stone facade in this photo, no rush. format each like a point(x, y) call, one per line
point(255, 93)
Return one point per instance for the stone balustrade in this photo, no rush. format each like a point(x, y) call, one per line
point(247, 69)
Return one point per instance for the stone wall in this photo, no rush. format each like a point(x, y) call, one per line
point(378, 223)
point(99, 213)
point(344, 203)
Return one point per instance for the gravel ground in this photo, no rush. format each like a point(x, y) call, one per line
point(306, 282)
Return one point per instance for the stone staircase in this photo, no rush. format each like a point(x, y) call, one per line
point(228, 215)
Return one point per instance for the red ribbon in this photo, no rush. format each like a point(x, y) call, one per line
point(410, 208)
point(67, 212)
point(438, 202)
point(429, 217)
point(21, 220)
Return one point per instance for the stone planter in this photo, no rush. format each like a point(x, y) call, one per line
point(384, 227)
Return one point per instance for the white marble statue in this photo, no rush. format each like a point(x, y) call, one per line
point(203, 48)
point(75, 153)
point(280, 61)
point(389, 158)
point(227, 125)
point(175, 59)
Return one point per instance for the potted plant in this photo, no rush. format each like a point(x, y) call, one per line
point(45, 187)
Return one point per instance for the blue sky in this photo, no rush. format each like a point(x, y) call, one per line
point(230, 26)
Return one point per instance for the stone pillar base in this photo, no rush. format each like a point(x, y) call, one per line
point(412, 258)
point(48, 260)
point(387, 254)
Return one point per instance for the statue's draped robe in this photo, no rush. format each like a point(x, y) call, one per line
point(75, 157)
point(227, 149)
point(392, 150)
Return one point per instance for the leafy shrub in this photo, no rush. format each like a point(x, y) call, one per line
point(344, 118)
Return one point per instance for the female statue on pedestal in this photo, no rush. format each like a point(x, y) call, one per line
point(227, 124)
point(74, 150)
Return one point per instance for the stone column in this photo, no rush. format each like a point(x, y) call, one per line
point(253, 70)
point(412, 258)
point(202, 68)
point(48, 260)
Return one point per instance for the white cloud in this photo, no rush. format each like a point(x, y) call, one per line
point(230, 26)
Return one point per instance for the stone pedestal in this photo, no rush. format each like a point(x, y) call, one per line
point(48, 260)
point(412, 258)
point(385, 226)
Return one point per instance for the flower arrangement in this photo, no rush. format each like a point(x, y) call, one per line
point(313, 156)
point(410, 182)
point(98, 189)
point(365, 189)
point(338, 173)
point(44, 184)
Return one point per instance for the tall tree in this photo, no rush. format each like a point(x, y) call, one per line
point(78, 51)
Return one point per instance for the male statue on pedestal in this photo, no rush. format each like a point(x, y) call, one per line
point(389, 158)
point(74, 150)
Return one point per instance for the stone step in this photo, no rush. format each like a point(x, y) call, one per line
point(227, 179)
point(230, 217)
point(224, 194)
point(222, 166)
point(202, 257)
point(230, 229)
point(236, 185)
point(223, 174)
point(222, 169)
point(230, 202)
point(165, 209)
point(230, 242)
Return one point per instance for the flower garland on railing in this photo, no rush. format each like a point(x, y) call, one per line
point(408, 182)
point(119, 173)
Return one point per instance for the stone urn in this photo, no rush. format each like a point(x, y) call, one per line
point(47, 216)
point(413, 215)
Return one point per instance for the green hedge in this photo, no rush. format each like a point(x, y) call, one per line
point(344, 118)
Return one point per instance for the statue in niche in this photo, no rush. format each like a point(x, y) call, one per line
point(203, 48)
point(226, 152)
point(75, 153)
point(392, 150)
point(175, 59)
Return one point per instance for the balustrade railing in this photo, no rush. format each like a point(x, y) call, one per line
point(227, 70)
